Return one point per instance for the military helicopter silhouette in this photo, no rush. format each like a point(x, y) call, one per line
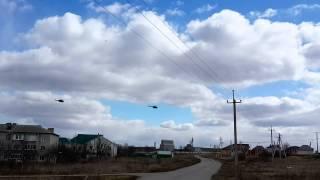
point(154, 107)
point(59, 100)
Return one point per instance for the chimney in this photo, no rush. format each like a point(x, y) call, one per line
point(8, 126)
point(51, 130)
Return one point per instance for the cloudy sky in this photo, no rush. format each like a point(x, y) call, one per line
point(109, 60)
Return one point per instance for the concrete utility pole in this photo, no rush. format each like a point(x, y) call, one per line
point(317, 138)
point(221, 142)
point(279, 143)
point(271, 144)
point(234, 102)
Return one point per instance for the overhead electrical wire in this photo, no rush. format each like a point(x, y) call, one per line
point(174, 43)
point(210, 71)
point(149, 43)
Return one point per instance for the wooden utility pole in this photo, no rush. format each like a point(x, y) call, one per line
point(235, 146)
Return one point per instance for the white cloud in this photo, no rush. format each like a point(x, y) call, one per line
point(268, 13)
point(179, 127)
point(289, 13)
point(298, 9)
point(254, 53)
point(73, 57)
point(205, 8)
point(117, 9)
point(175, 12)
point(11, 6)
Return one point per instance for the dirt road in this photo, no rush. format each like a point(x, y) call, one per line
point(201, 171)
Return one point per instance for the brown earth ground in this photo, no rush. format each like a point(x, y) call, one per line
point(76, 177)
point(113, 166)
point(291, 168)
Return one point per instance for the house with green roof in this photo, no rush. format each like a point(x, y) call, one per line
point(93, 145)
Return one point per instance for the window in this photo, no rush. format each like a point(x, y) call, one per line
point(41, 158)
point(18, 136)
point(42, 139)
point(42, 148)
point(16, 147)
point(30, 147)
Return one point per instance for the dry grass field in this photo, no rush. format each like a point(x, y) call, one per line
point(78, 177)
point(120, 165)
point(293, 168)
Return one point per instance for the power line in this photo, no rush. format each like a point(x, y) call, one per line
point(148, 42)
point(195, 54)
point(211, 72)
point(176, 45)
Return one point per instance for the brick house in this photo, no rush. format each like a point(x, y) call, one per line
point(27, 143)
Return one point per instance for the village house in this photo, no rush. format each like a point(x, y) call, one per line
point(141, 151)
point(273, 149)
point(292, 150)
point(64, 143)
point(228, 151)
point(257, 151)
point(302, 150)
point(93, 145)
point(27, 143)
point(305, 150)
point(189, 148)
point(167, 145)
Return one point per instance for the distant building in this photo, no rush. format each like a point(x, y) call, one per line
point(142, 151)
point(292, 150)
point(27, 143)
point(189, 148)
point(164, 154)
point(64, 142)
point(305, 150)
point(273, 148)
point(93, 145)
point(205, 150)
point(228, 151)
point(167, 145)
point(256, 151)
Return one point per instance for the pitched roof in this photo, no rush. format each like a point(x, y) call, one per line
point(17, 128)
point(292, 147)
point(305, 148)
point(84, 138)
point(64, 140)
point(240, 146)
point(258, 148)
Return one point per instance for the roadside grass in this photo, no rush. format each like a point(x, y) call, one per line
point(112, 166)
point(292, 168)
point(79, 177)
